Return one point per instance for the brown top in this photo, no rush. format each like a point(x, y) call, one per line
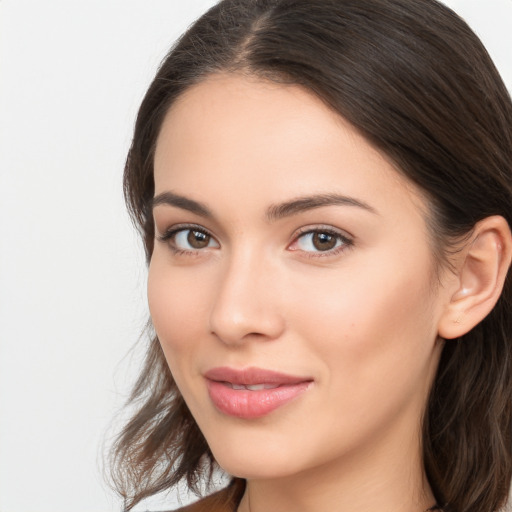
point(226, 500)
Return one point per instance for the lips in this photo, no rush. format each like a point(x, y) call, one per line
point(252, 392)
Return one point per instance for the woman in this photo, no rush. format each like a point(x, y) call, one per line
point(325, 196)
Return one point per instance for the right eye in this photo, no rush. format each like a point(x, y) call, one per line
point(188, 239)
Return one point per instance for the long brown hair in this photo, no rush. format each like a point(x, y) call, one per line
point(413, 78)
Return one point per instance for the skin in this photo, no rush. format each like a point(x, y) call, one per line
point(360, 319)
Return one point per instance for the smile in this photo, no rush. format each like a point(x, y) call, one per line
point(253, 392)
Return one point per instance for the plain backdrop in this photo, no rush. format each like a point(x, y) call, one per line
point(72, 276)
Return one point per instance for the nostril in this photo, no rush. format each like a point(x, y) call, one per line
point(260, 325)
point(244, 307)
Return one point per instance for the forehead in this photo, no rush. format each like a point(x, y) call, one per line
point(270, 142)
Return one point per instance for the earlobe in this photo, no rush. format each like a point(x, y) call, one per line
point(481, 270)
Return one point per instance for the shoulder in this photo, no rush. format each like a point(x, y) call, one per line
point(222, 501)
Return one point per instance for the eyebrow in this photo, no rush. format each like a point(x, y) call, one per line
point(301, 204)
point(274, 212)
point(182, 202)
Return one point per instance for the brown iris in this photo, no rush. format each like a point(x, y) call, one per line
point(324, 241)
point(198, 239)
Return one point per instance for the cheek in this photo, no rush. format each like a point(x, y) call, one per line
point(372, 319)
point(373, 338)
point(176, 302)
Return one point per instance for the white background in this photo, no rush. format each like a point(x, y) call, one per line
point(72, 277)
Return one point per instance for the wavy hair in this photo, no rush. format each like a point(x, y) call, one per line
point(413, 78)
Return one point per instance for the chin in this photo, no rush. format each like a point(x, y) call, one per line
point(253, 461)
point(265, 469)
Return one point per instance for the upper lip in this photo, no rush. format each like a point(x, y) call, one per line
point(252, 376)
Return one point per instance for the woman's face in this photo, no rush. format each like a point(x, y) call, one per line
point(292, 284)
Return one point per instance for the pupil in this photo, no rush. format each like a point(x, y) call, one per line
point(324, 241)
point(198, 240)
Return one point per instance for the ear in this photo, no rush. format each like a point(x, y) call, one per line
point(482, 267)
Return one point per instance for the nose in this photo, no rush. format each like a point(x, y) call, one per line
point(245, 305)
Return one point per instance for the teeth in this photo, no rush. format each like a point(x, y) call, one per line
point(254, 387)
point(258, 387)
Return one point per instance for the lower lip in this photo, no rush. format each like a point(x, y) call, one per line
point(243, 403)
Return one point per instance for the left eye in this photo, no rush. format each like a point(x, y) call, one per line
point(319, 241)
point(193, 239)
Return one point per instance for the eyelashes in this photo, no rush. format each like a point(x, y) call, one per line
point(320, 241)
point(186, 239)
point(317, 241)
